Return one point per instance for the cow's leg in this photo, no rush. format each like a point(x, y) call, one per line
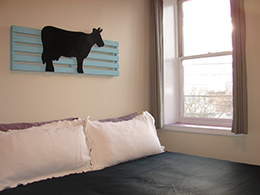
point(49, 66)
point(80, 65)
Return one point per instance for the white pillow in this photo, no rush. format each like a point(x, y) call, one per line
point(38, 153)
point(112, 143)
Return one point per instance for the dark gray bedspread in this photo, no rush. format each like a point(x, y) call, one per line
point(163, 174)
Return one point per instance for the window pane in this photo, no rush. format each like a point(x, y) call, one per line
point(206, 27)
point(208, 87)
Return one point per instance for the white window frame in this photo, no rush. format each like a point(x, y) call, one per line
point(173, 95)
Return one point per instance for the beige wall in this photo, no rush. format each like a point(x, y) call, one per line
point(29, 96)
point(241, 149)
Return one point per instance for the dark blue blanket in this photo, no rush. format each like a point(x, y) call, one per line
point(167, 173)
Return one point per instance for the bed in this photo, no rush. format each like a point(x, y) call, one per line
point(154, 171)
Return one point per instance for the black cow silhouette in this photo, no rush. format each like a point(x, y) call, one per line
point(58, 42)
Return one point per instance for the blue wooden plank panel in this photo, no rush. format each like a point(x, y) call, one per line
point(26, 47)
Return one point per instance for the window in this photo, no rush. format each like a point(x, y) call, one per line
point(202, 63)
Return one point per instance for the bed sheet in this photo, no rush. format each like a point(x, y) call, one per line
point(162, 174)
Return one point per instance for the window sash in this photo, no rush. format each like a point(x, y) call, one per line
point(197, 120)
point(180, 32)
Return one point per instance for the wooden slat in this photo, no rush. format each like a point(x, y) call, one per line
point(102, 72)
point(27, 58)
point(29, 49)
point(111, 43)
point(25, 67)
point(26, 48)
point(102, 57)
point(24, 30)
point(105, 49)
point(29, 40)
point(100, 64)
point(35, 49)
point(64, 61)
point(70, 70)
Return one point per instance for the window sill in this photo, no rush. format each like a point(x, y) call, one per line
point(202, 129)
